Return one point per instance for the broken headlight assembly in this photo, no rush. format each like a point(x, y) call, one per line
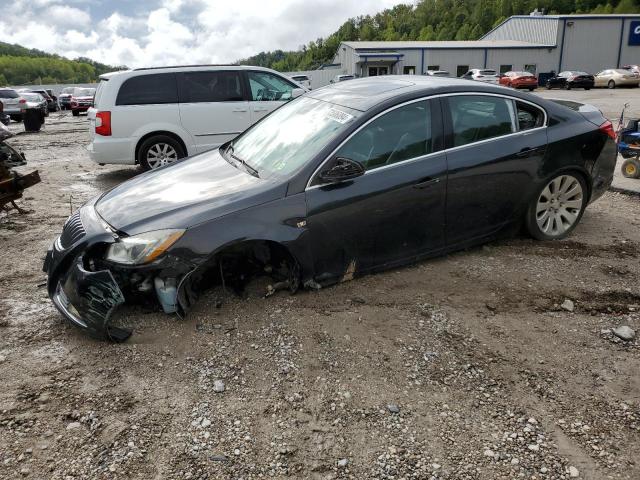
point(142, 248)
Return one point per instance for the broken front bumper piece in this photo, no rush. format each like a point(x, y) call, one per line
point(88, 299)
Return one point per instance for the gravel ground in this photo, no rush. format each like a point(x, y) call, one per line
point(498, 362)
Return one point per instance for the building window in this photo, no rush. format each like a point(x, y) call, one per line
point(433, 67)
point(409, 70)
point(461, 70)
point(505, 68)
point(374, 71)
point(530, 68)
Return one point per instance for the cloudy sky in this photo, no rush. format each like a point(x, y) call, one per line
point(163, 32)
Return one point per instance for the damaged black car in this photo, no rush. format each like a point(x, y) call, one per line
point(349, 179)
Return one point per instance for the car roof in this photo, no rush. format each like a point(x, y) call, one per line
point(365, 93)
point(180, 68)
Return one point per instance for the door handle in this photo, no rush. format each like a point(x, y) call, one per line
point(425, 182)
point(527, 152)
point(237, 110)
point(260, 109)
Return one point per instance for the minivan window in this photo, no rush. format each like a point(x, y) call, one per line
point(401, 134)
point(268, 87)
point(156, 88)
point(291, 136)
point(213, 86)
point(8, 94)
point(479, 117)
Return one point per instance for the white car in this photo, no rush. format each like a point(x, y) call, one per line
point(438, 73)
point(303, 80)
point(154, 116)
point(482, 75)
point(341, 78)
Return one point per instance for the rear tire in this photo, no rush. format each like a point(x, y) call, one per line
point(611, 84)
point(531, 89)
point(548, 86)
point(557, 207)
point(158, 151)
point(631, 168)
point(75, 113)
point(567, 86)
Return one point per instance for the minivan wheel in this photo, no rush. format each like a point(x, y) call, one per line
point(558, 207)
point(159, 151)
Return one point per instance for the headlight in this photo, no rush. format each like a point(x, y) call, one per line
point(142, 248)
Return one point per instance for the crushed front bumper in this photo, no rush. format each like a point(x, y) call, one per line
point(87, 299)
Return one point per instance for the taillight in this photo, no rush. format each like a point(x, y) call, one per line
point(103, 124)
point(607, 127)
point(22, 100)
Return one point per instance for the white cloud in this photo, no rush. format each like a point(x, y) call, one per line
point(179, 31)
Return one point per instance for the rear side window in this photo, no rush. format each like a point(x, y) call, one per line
point(477, 117)
point(214, 86)
point(8, 94)
point(401, 134)
point(529, 116)
point(156, 88)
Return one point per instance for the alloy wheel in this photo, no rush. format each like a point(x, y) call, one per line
point(161, 154)
point(559, 205)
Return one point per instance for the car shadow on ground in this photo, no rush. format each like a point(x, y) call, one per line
point(115, 177)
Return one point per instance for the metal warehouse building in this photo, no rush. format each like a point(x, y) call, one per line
point(536, 43)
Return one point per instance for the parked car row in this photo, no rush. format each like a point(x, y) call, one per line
point(15, 102)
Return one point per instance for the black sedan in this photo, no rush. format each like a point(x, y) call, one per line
point(349, 179)
point(571, 79)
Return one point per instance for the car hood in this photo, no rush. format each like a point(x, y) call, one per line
point(184, 194)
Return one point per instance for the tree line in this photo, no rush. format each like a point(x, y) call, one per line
point(24, 66)
point(429, 20)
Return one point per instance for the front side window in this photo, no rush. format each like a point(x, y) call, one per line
point(477, 117)
point(214, 86)
point(291, 136)
point(401, 134)
point(157, 88)
point(267, 87)
point(529, 116)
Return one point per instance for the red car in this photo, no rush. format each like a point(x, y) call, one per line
point(519, 80)
point(81, 100)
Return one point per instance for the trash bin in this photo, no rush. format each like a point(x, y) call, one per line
point(32, 120)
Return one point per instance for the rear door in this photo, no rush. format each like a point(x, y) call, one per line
point(267, 92)
point(213, 106)
point(495, 148)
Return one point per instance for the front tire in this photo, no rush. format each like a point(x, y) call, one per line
point(158, 151)
point(557, 208)
point(611, 84)
point(567, 86)
point(75, 113)
point(548, 86)
point(631, 168)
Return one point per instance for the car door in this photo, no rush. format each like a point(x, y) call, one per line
point(493, 155)
point(267, 92)
point(392, 213)
point(601, 78)
point(213, 106)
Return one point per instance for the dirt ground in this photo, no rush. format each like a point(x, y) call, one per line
point(461, 367)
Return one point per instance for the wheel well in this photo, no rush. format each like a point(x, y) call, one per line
point(233, 266)
point(161, 132)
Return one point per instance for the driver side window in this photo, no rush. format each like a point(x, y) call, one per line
point(401, 134)
point(266, 87)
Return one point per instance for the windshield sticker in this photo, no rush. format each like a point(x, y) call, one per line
point(339, 116)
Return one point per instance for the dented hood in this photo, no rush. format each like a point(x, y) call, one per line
point(184, 194)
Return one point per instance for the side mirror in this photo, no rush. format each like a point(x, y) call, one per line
point(297, 92)
point(342, 169)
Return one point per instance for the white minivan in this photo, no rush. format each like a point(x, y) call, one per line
point(154, 116)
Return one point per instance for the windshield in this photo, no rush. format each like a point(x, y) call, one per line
point(32, 97)
point(84, 92)
point(68, 90)
point(290, 136)
point(487, 72)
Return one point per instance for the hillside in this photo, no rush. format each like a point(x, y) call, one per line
point(429, 20)
point(23, 66)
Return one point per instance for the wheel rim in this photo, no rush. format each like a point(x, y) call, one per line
point(630, 169)
point(161, 154)
point(559, 205)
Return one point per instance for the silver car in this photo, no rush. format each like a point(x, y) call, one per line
point(438, 73)
point(616, 77)
point(35, 101)
point(13, 104)
point(484, 75)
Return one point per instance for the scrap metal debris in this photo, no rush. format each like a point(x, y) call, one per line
point(12, 184)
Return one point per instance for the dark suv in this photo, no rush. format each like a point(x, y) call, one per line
point(52, 101)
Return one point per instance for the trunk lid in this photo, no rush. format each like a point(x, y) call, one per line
point(591, 113)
